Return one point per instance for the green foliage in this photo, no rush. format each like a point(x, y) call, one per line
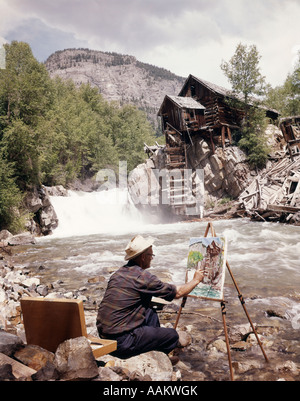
point(52, 132)
point(10, 198)
point(286, 98)
point(243, 72)
point(244, 75)
point(25, 85)
point(254, 141)
point(19, 147)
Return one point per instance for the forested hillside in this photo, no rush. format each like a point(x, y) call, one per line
point(53, 132)
point(118, 77)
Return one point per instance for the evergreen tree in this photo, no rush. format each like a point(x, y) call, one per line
point(25, 96)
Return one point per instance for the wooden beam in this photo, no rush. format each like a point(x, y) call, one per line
point(18, 369)
point(229, 134)
point(284, 209)
point(223, 136)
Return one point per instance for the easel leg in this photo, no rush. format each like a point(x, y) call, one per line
point(223, 310)
point(180, 310)
point(241, 298)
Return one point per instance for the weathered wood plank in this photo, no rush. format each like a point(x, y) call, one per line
point(18, 369)
point(281, 208)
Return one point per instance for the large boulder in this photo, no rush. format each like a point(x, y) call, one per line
point(34, 356)
point(44, 219)
point(21, 239)
point(155, 364)
point(74, 360)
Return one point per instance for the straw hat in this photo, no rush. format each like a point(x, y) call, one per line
point(137, 245)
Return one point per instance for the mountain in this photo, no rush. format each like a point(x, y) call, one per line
point(120, 78)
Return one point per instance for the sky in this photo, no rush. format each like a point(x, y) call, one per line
point(182, 36)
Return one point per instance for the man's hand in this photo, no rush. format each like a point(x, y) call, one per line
point(199, 274)
point(185, 289)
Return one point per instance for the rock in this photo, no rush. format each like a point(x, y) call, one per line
point(12, 312)
point(288, 366)
point(34, 356)
point(47, 219)
point(74, 360)
point(275, 313)
point(218, 345)
point(5, 234)
point(39, 204)
point(33, 201)
point(239, 332)
point(6, 373)
point(9, 343)
point(251, 339)
point(185, 338)
point(21, 239)
point(242, 367)
point(47, 372)
point(97, 279)
point(31, 282)
point(42, 290)
point(241, 346)
point(154, 363)
point(107, 374)
point(58, 190)
point(2, 295)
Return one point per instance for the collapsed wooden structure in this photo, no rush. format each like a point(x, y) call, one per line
point(290, 128)
point(275, 194)
point(201, 110)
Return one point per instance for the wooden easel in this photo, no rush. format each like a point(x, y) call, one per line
point(223, 309)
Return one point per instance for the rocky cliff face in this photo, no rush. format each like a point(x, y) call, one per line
point(120, 78)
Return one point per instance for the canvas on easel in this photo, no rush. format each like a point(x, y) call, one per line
point(208, 254)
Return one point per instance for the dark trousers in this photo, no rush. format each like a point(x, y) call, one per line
point(148, 337)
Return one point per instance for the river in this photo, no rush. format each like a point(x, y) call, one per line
point(95, 228)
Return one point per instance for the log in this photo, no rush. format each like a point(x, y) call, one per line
point(283, 209)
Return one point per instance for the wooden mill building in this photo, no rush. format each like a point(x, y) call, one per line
point(201, 109)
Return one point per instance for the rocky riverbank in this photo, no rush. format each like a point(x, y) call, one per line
point(203, 358)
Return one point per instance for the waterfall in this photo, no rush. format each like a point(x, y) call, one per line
point(87, 213)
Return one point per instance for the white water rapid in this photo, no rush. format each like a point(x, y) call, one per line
point(87, 213)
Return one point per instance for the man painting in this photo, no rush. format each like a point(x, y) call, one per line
point(125, 314)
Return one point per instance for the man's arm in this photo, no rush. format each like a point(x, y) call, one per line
point(185, 289)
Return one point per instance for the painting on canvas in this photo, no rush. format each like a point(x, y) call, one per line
point(209, 255)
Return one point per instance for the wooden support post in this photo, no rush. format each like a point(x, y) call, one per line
point(223, 136)
point(212, 142)
point(180, 310)
point(229, 134)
